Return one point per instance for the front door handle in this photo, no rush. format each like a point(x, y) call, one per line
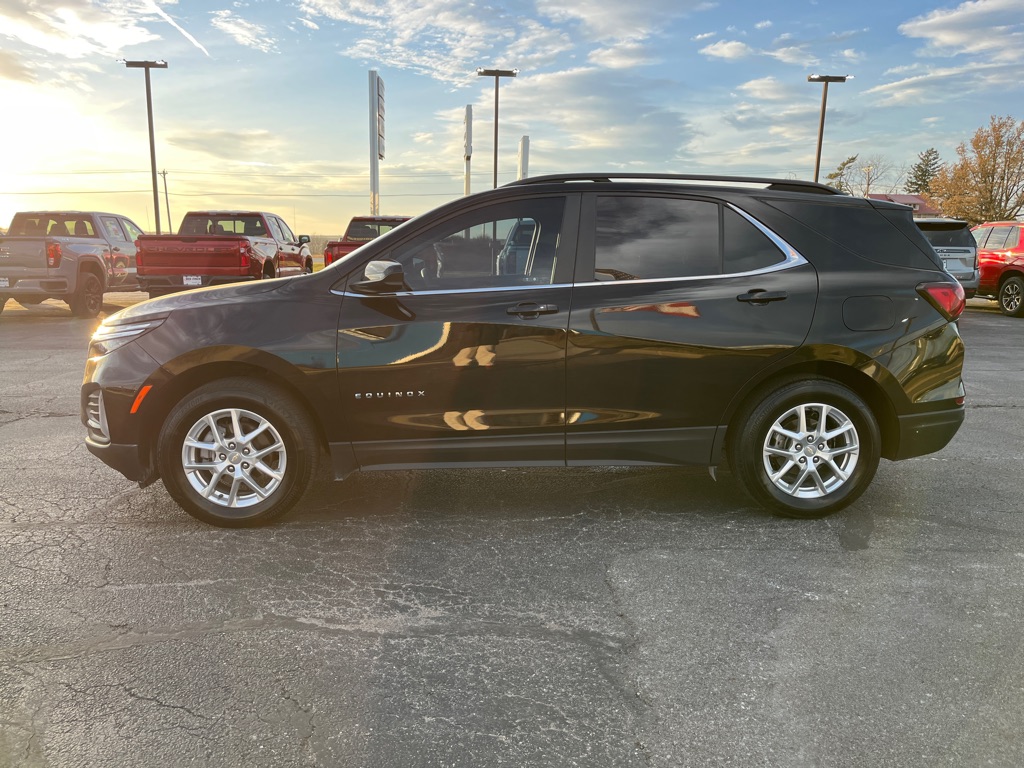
point(759, 297)
point(529, 309)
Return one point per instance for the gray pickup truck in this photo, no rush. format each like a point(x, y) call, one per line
point(74, 256)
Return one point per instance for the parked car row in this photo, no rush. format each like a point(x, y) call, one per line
point(77, 256)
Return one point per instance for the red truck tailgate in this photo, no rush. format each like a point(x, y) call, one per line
point(207, 255)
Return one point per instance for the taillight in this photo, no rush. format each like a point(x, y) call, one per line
point(53, 255)
point(138, 255)
point(948, 298)
point(328, 256)
point(246, 253)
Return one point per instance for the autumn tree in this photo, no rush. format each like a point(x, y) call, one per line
point(919, 181)
point(986, 183)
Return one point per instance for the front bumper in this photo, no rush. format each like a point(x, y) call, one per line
point(126, 459)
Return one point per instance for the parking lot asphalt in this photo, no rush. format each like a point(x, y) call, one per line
point(611, 617)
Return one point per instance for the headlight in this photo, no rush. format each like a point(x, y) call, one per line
point(107, 338)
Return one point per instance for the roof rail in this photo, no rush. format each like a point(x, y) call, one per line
point(777, 185)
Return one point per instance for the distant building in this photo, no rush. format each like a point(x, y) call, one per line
point(920, 204)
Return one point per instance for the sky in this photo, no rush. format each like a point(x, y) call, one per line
point(265, 104)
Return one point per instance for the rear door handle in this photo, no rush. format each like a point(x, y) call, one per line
point(758, 296)
point(530, 309)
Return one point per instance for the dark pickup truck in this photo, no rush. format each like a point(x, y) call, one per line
point(74, 256)
point(361, 230)
point(218, 247)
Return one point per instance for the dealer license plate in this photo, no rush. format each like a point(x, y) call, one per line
point(191, 280)
point(4, 282)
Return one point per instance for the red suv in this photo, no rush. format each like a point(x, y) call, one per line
point(1001, 260)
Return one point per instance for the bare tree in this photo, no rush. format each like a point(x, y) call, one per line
point(875, 173)
point(986, 183)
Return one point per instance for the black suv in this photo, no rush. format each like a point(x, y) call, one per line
point(793, 332)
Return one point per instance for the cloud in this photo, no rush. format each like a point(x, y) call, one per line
point(934, 86)
point(606, 20)
point(763, 24)
point(793, 54)
point(622, 56)
point(228, 145)
point(728, 49)
point(768, 89)
point(76, 28)
point(703, 36)
point(991, 28)
point(11, 68)
point(244, 32)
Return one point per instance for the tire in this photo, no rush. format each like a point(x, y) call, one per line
point(1011, 297)
point(799, 477)
point(87, 301)
point(216, 484)
point(308, 268)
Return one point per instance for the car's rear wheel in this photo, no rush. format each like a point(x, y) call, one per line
point(237, 453)
point(1011, 297)
point(806, 449)
point(87, 301)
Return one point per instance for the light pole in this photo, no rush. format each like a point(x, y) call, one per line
point(497, 74)
point(148, 65)
point(824, 80)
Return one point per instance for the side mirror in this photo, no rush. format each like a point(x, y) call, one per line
point(382, 277)
point(303, 239)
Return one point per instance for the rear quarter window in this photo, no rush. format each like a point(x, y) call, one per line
point(882, 235)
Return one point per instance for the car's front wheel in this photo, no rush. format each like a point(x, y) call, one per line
point(237, 453)
point(1011, 297)
point(806, 449)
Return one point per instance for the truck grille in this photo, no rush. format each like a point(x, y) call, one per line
point(96, 417)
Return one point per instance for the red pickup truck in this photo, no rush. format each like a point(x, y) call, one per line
point(362, 229)
point(217, 247)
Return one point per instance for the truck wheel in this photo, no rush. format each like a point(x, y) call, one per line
point(237, 453)
point(87, 301)
point(308, 269)
point(807, 449)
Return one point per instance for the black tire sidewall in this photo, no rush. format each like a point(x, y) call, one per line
point(88, 288)
point(747, 445)
point(270, 402)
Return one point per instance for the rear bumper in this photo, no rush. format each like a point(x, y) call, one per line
point(923, 433)
point(34, 286)
point(173, 283)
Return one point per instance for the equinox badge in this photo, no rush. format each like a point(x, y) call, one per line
point(386, 395)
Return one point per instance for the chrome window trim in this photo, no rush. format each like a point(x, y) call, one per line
point(489, 289)
point(791, 258)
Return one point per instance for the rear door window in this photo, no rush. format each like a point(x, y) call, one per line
point(113, 229)
point(650, 238)
point(997, 240)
